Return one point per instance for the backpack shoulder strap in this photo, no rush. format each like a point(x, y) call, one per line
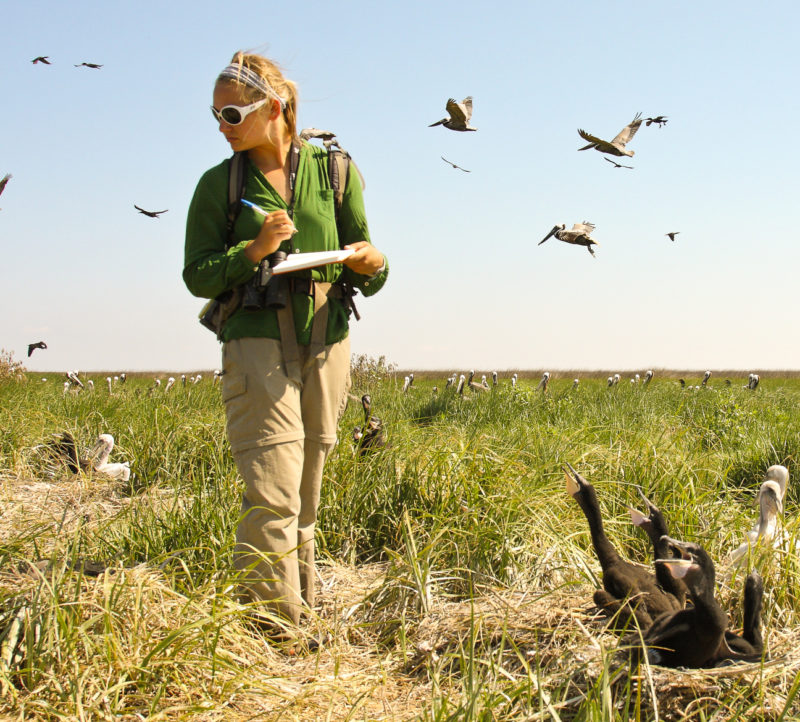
point(237, 175)
point(338, 168)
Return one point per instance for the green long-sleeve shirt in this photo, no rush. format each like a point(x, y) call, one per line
point(209, 269)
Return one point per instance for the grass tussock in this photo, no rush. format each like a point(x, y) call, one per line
point(456, 574)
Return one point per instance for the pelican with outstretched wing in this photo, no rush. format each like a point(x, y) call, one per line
point(460, 114)
point(578, 235)
point(616, 146)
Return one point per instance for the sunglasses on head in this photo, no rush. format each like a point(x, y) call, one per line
point(235, 114)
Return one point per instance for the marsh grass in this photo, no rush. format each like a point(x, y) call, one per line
point(455, 576)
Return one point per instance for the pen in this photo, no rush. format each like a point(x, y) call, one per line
point(260, 210)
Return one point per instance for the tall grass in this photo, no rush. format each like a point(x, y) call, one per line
point(482, 608)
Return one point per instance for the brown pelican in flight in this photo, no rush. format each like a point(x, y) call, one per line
point(578, 235)
point(618, 165)
point(454, 165)
point(94, 66)
point(671, 235)
point(152, 214)
point(33, 346)
point(460, 114)
point(4, 182)
point(659, 120)
point(616, 146)
point(41, 59)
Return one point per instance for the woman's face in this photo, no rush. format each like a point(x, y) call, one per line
point(254, 130)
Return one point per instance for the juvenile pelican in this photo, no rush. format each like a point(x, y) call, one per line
point(766, 532)
point(460, 114)
point(98, 458)
point(616, 146)
point(578, 235)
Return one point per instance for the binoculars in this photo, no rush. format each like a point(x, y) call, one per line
point(266, 290)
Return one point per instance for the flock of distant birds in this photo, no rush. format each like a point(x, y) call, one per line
point(458, 119)
point(672, 609)
point(45, 60)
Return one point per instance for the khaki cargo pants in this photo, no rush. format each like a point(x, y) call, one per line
point(280, 433)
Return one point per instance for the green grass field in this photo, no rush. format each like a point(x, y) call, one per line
point(456, 574)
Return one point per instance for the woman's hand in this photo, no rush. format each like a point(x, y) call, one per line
point(277, 227)
point(366, 260)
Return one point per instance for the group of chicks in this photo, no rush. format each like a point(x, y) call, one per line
point(671, 612)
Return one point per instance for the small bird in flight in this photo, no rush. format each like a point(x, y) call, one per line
point(41, 59)
point(454, 165)
point(95, 66)
point(460, 114)
point(672, 235)
point(616, 146)
point(659, 120)
point(7, 177)
point(578, 235)
point(152, 214)
point(33, 346)
point(617, 165)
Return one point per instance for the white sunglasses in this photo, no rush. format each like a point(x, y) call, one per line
point(235, 114)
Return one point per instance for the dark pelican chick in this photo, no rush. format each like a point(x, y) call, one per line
point(688, 637)
point(655, 526)
point(627, 588)
point(749, 645)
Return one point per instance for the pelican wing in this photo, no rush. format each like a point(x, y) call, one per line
point(591, 138)
point(625, 135)
point(585, 227)
point(458, 111)
point(7, 177)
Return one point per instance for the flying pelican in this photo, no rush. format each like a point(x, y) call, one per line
point(41, 59)
point(616, 146)
point(152, 214)
point(671, 235)
point(659, 120)
point(4, 182)
point(618, 165)
point(33, 346)
point(460, 114)
point(578, 235)
point(94, 66)
point(454, 165)
point(544, 382)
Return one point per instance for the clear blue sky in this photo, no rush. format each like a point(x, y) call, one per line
point(469, 287)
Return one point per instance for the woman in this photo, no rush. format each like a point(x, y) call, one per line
point(286, 372)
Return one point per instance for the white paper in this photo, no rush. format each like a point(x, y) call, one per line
point(298, 261)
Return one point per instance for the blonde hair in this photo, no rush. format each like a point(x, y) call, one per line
point(272, 75)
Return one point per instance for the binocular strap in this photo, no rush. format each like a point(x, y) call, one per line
point(319, 328)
